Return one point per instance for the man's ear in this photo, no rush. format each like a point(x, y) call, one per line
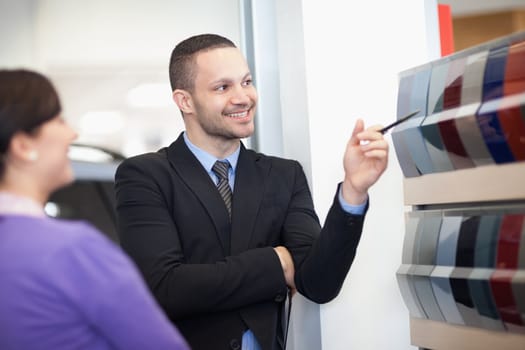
point(183, 100)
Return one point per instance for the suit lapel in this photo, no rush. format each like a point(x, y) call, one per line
point(191, 171)
point(250, 184)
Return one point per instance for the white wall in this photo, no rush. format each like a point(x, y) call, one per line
point(127, 31)
point(351, 54)
point(17, 31)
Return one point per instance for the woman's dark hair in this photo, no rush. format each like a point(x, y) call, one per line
point(27, 100)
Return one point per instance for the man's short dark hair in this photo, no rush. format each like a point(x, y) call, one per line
point(182, 62)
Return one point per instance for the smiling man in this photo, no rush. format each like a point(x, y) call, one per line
point(222, 234)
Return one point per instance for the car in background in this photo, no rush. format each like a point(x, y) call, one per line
point(91, 197)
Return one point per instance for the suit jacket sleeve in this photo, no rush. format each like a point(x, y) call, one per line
point(322, 257)
point(150, 236)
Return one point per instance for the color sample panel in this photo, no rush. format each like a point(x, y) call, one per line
point(513, 124)
point(405, 271)
point(467, 241)
point(436, 88)
point(481, 294)
point(408, 167)
point(518, 288)
point(484, 262)
point(412, 231)
point(510, 116)
point(454, 84)
point(426, 249)
point(447, 125)
point(507, 262)
point(509, 241)
point(515, 70)
point(459, 280)
point(429, 128)
point(466, 122)
point(412, 137)
point(456, 150)
point(518, 281)
point(501, 285)
point(412, 133)
point(404, 158)
point(487, 116)
point(487, 241)
point(445, 259)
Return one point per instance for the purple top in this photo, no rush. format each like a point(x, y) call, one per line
point(63, 285)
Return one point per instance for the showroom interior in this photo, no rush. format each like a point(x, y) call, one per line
point(318, 66)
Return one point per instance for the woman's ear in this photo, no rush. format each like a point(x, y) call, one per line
point(183, 100)
point(23, 147)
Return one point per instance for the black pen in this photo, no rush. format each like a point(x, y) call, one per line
point(399, 121)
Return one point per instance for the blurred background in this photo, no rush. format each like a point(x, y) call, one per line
point(109, 60)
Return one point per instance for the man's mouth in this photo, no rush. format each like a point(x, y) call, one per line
point(238, 115)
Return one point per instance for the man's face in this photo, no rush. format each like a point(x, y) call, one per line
point(224, 97)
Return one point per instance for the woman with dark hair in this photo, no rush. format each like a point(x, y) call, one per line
point(63, 285)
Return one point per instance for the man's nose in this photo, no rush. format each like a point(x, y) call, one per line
point(241, 95)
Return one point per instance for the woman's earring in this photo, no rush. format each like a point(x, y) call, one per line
point(32, 156)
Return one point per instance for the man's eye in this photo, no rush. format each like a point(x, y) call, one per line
point(221, 88)
point(248, 82)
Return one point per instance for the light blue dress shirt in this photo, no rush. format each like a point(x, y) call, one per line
point(249, 342)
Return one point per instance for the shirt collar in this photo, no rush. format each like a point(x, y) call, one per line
point(207, 160)
point(11, 203)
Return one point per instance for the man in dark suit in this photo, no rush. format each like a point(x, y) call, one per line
point(220, 249)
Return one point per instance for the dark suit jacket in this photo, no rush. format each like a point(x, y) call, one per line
point(174, 224)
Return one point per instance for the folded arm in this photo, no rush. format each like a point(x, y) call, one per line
point(150, 236)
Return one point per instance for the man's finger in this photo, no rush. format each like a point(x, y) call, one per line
point(359, 127)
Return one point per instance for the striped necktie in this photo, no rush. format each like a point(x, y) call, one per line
point(220, 168)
